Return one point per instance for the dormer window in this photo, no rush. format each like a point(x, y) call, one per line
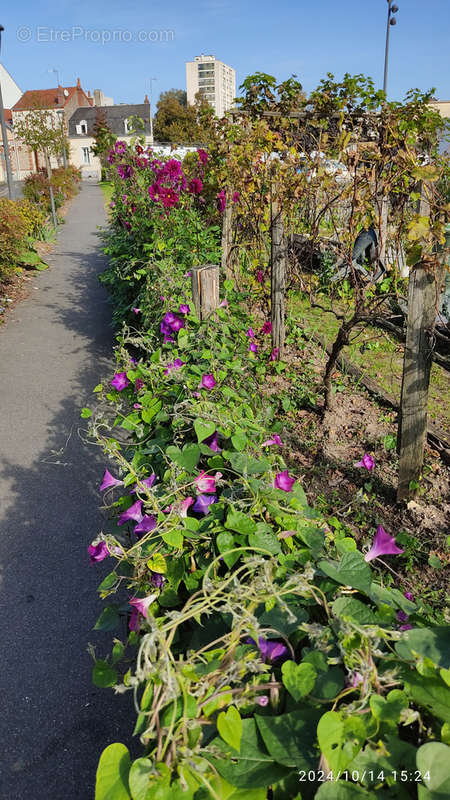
point(128, 126)
point(82, 127)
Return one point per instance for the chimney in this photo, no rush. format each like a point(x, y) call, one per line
point(146, 100)
point(60, 95)
point(78, 83)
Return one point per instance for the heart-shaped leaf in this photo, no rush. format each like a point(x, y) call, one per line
point(340, 738)
point(225, 542)
point(187, 457)
point(240, 522)
point(388, 709)
point(203, 429)
point(103, 674)
point(112, 773)
point(229, 725)
point(141, 772)
point(352, 570)
point(299, 679)
point(433, 761)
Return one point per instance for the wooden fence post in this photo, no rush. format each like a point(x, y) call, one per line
point(205, 289)
point(227, 238)
point(423, 300)
point(278, 278)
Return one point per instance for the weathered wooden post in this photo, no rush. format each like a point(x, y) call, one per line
point(205, 289)
point(227, 239)
point(423, 301)
point(278, 277)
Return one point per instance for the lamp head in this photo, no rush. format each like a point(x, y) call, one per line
point(394, 9)
point(393, 21)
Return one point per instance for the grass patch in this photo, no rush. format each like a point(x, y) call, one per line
point(107, 189)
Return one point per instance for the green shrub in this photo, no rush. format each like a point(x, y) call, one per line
point(32, 215)
point(13, 233)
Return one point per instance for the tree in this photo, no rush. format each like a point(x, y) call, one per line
point(178, 123)
point(104, 137)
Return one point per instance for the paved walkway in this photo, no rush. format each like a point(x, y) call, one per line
point(54, 349)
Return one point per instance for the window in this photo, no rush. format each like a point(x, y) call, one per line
point(82, 127)
point(86, 155)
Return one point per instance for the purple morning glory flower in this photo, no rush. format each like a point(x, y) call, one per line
point(138, 384)
point(185, 309)
point(409, 596)
point(109, 480)
point(406, 627)
point(263, 700)
point(157, 580)
point(402, 617)
point(274, 354)
point(202, 503)
point(274, 439)
point(212, 443)
point(253, 348)
point(223, 304)
point(148, 523)
point(133, 623)
point(270, 651)
point(383, 545)
point(134, 513)
point(142, 604)
point(125, 171)
point(120, 381)
point(98, 552)
point(207, 382)
point(136, 310)
point(177, 364)
point(147, 482)
point(366, 461)
point(284, 481)
point(250, 333)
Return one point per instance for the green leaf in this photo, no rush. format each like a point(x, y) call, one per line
point(355, 609)
point(111, 781)
point(151, 409)
point(239, 440)
point(299, 679)
point(173, 538)
point(435, 562)
point(225, 541)
point(290, 738)
point(108, 620)
point(343, 790)
point(203, 429)
point(103, 674)
point(434, 758)
point(432, 643)
point(279, 618)
point(186, 458)
point(351, 570)
point(240, 522)
point(98, 388)
point(340, 738)
point(265, 539)
point(253, 767)
point(229, 725)
point(108, 582)
point(85, 413)
point(388, 709)
point(142, 770)
point(430, 692)
point(157, 564)
point(246, 466)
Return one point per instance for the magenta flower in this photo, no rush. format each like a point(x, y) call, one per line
point(125, 171)
point(250, 333)
point(409, 596)
point(221, 201)
point(177, 324)
point(109, 480)
point(260, 276)
point(120, 147)
point(262, 700)
point(195, 186)
point(267, 327)
point(98, 552)
point(270, 651)
point(142, 604)
point(157, 580)
point(168, 339)
point(133, 623)
point(112, 204)
point(137, 405)
point(223, 304)
point(203, 502)
point(202, 156)
point(275, 439)
point(402, 617)
point(184, 506)
point(148, 482)
point(134, 513)
point(212, 442)
point(138, 384)
point(284, 481)
point(366, 461)
point(136, 310)
point(120, 381)
point(148, 523)
point(383, 545)
point(235, 197)
point(274, 354)
point(111, 157)
point(207, 483)
point(177, 364)
point(207, 382)
point(355, 679)
point(185, 309)
point(253, 348)
point(406, 627)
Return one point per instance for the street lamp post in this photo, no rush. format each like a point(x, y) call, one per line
point(61, 117)
point(9, 177)
point(151, 109)
point(391, 20)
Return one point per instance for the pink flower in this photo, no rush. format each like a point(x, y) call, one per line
point(253, 348)
point(207, 382)
point(184, 506)
point(267, 327)
point(274, 354)
point(120, 381)
point(98, 552)
point(284, 481)
point(260, 276)
point(137, 405)
point(250, 333)
point(142, 604)
point(366, 461)
point(138, 384)
point(185, 309)
point(275, 439)
point(221, 201)
point(202, 156)
point(207, 483)
point(223, 304)
point(177, 364)
point(235, 197)
point(195, 186)
point(383, 545)
point(262, 700)
point(109, 480)
point(136, 310)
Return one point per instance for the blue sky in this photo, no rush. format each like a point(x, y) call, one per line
point(306, 37)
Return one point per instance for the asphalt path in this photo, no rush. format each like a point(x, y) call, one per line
point(54, 348)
